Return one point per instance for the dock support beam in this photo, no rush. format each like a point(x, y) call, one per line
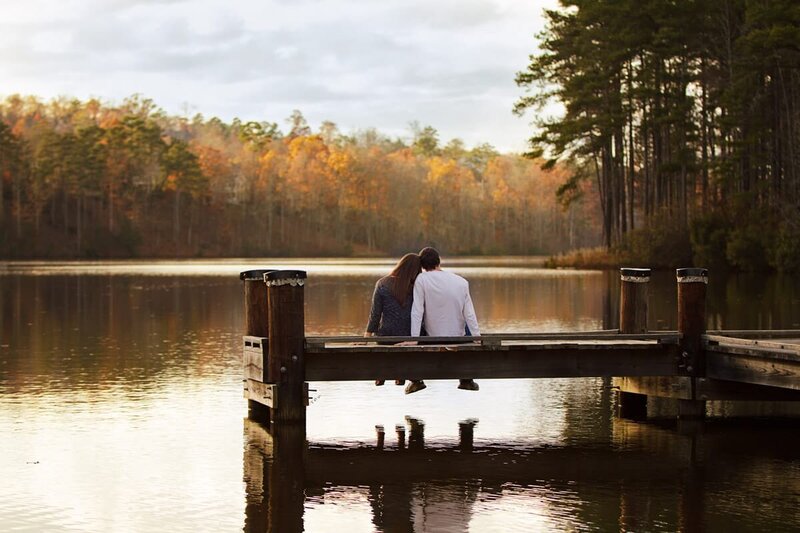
point(255, 319)
point(692, 284)
point(286, 367)
point(633, 291)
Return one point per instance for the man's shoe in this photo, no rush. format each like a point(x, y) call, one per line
point(415, 386)
point(468, 384)
point(379, 382)
point(399, 382)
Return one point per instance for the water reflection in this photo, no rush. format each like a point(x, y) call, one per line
point(651, 478)
point(121, 409)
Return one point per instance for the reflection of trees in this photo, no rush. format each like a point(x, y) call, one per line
point(116, 329)
point(734, 301)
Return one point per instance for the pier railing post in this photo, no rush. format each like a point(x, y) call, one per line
point(255, 320)
point(286, 366)
point(634, 283)
point(692, 284)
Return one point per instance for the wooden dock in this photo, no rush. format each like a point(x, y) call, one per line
point(690, 365)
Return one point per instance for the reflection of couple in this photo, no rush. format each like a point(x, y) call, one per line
point(406, 503)
point(417, 294)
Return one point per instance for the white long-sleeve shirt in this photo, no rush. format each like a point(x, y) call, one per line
point(442, 300)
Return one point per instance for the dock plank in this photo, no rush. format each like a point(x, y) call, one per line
point(545, 360)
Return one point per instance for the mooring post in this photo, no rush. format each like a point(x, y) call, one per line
point(286, 366)
point(255, 324)
point(466, 434)
point(692, 284)
point(633, 294)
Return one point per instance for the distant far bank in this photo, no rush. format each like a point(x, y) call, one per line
point(88, 180)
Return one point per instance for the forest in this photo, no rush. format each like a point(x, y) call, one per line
point(665, 132)
point(686, 116)
point(87, 179)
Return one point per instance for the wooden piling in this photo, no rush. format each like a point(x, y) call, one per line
point(692, 284)
point(286, 366)
point(255, 320)
point(633, 295)
point(255, 302)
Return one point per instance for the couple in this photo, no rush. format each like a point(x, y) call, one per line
point(419, 293)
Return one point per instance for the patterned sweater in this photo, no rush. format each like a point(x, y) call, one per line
point(388, 317)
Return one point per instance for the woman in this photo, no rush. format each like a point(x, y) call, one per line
point(391, 302)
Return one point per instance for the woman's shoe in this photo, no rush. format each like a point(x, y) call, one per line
point(399, 382)
point(379, 382)
point(415, 386)
point(468, 384)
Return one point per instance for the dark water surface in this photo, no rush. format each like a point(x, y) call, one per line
point(121, 409)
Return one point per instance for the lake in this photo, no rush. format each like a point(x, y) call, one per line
point(121, 409)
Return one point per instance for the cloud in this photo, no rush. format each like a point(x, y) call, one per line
point(360, 63)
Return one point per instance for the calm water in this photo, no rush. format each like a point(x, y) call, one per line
point(121, 410)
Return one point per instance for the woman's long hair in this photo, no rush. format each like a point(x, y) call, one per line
point(403, 277)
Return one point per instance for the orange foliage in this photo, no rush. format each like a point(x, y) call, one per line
point(237, 189)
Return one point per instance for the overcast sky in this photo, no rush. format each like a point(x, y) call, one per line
point(359, 63)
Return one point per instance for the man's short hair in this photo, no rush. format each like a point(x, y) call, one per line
point(429, 258)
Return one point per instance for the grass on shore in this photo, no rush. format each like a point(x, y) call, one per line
point(599, 257)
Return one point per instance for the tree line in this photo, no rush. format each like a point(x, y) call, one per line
point(90, 179)
point(686, 115)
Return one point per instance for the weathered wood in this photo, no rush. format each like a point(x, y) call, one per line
point(286, 343)
point(264, 393)
point(633, 297)
point(540, 344)
point(255, 302)
point(634, 284)
point(692, 325)
point(757, 333)
point(255, 319)
point(724, 340)
point(490, 339)
point(773, 368)
point(530, 361)
point(254, 354)
point(692, 316)
point(680, 388)
point(664, 387)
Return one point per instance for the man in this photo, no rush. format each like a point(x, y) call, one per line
point(442, 301)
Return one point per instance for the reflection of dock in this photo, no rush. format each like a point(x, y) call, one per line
point(688, 366)
point(280, 467)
